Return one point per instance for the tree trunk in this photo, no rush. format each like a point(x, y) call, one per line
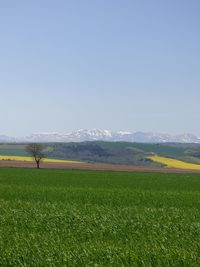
point(38, 164)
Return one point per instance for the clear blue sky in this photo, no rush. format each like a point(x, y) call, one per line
point(116, 64)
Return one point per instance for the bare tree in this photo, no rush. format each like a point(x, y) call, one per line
point(36, 151)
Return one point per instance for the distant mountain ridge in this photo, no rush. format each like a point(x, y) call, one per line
point(103, 135)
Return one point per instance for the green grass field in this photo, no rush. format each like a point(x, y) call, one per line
point(88, 218)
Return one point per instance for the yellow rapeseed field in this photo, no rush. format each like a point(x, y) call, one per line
point(174, 163)
point(20, 158)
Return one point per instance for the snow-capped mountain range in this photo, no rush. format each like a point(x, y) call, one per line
point(104, 135)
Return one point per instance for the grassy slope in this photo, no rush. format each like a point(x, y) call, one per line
point(79, 218)
point(13, 152)
point(161, 149)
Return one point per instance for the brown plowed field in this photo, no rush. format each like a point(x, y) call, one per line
point(92, 166)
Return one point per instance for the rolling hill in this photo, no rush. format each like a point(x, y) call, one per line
point(128, 153)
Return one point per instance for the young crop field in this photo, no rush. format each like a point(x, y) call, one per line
point(98, 218)
point(174, 163)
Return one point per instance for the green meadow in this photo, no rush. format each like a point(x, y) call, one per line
point(91, 218)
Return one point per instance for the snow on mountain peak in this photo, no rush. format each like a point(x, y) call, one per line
point(103, 135)
point(123, 133)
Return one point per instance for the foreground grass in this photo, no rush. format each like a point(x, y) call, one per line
point(87, 218)
point(174, 163)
